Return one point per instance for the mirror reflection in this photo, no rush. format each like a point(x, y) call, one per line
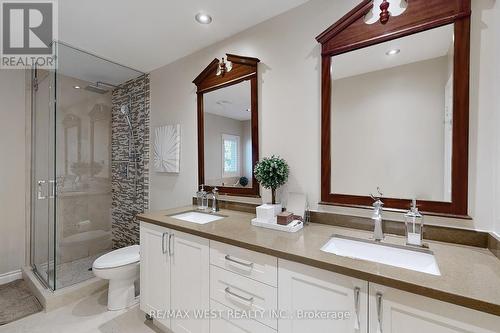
point(72, 143)
point(100, 140)
point(391, 121)
point(228, 136)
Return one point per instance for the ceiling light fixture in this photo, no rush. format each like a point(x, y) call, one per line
point(203, 18)
point(393, 52)
point(76, 87)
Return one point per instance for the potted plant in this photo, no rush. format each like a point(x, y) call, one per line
point(271, 173)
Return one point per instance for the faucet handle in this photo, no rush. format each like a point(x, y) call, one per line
point(377, 199)
point(378, 203)
point(215, 190)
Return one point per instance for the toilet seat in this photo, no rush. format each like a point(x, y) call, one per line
point(121, 257)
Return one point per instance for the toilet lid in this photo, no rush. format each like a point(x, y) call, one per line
point(120, 257)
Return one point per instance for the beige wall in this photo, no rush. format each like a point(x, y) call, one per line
point(484, 173)
point(12, 171)
point(246, 148)
point(289, 105)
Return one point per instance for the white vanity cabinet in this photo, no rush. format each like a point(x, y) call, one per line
point(180, 271)
point(174, 276)
point(396, 311)
point(155, 270)
point(305, 292)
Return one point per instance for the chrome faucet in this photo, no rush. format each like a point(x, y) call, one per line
point(215, 200)
point(378, 233)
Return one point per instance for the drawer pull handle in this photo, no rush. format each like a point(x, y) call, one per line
point(228, 258)
point(163, 238)
point(246, 299)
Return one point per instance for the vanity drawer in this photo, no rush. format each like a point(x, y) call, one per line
point(234, 325)
point(243, 294)
point(254, 265)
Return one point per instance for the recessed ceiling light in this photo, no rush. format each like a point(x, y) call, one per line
point(393, 52)
point(76, 87)
point(203, 18)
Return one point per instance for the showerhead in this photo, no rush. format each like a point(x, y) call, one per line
point(100, 87)
point(124, 110)
point(96, 89)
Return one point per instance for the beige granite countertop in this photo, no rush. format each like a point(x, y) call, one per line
point(470, 276)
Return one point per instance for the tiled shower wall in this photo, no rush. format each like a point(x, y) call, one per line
point(129, 174)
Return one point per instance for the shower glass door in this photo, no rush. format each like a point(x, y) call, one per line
point(43, 176)
point(73, 108)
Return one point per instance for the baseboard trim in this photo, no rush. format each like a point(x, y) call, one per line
point(494, 244)
point(10, 276)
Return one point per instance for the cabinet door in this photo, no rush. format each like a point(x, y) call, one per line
point(190, 258)
point(396, 311)
point(155, 271)
point(305, 292)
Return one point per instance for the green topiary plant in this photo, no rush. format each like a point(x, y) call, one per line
point(271, 173)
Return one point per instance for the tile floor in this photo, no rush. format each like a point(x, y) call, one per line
point(73, 272)
point(88, 315)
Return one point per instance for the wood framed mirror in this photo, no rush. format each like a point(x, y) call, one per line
point(228, 130)
point(395, 106)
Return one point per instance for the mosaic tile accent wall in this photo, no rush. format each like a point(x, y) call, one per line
point(129, 164)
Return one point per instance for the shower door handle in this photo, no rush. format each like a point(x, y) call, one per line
point(40, 185)
point(52, 189)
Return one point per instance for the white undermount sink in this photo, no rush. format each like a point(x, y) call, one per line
point(197, 217)
point(421, 260)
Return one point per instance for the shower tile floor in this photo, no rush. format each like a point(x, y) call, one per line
point(73, 272)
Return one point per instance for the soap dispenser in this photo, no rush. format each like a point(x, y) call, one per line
point(414, 222)
point(201, 198)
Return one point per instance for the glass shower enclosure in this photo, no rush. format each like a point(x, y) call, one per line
point(71, 164)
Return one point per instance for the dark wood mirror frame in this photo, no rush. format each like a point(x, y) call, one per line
point(244, 69)
point(352, 33)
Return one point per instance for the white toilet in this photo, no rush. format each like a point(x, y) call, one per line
point(121, 268)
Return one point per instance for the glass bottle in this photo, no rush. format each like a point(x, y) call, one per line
point(201, 198)
point(414, 222)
